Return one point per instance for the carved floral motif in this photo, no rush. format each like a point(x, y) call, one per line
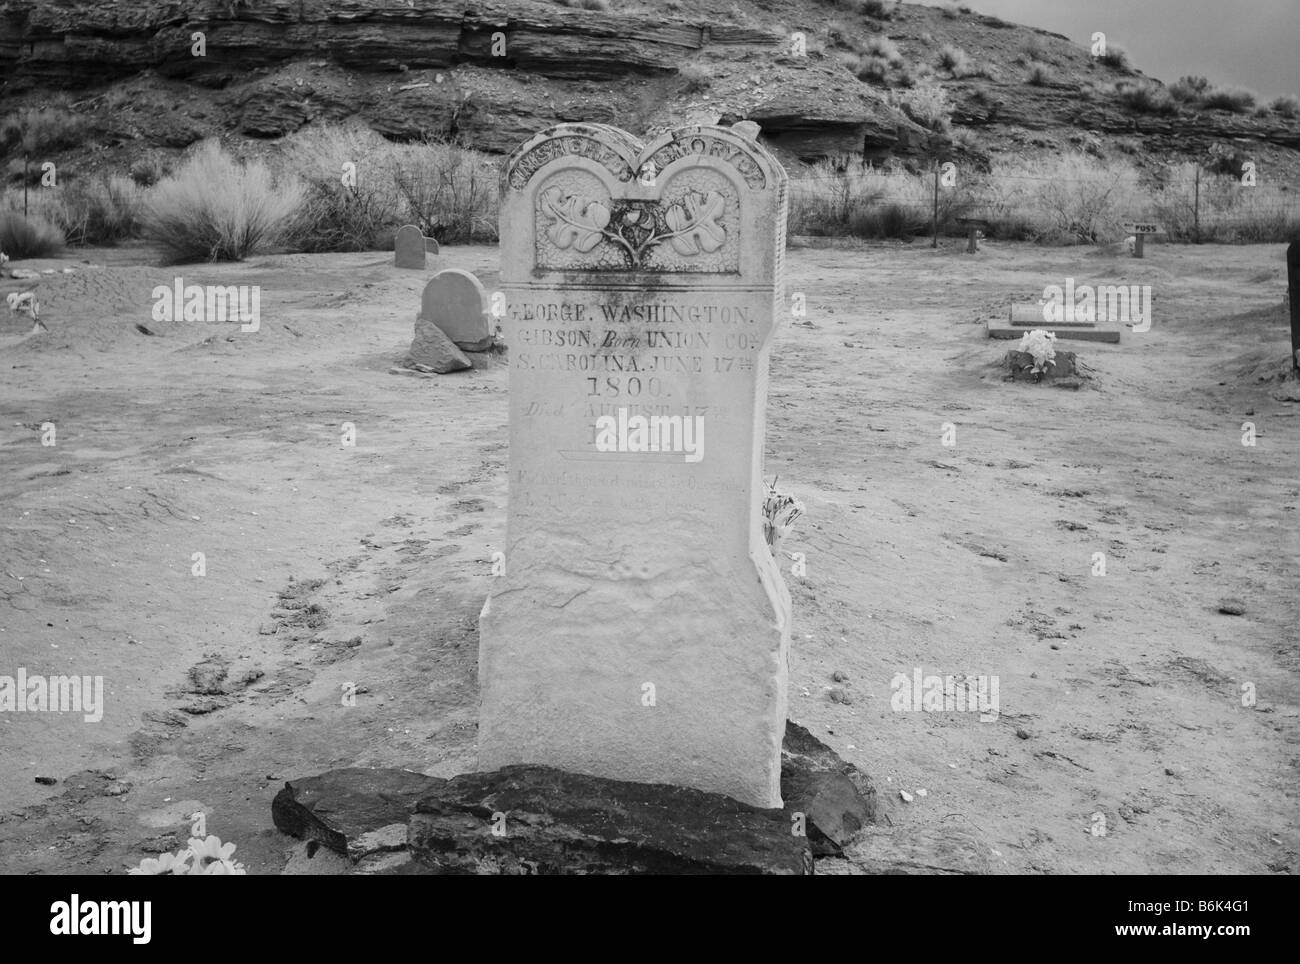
point(690, 225)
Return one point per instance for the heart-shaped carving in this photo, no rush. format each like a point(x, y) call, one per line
point(692, 225)
point(598, 213)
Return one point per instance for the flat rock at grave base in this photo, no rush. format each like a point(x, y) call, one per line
point(361, 813)
point(837, 798)
point(567, 823)
point(351, 811)
point(434, 351)
point(917, 849)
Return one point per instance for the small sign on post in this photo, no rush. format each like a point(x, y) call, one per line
point(973, 228)
point(1139, 230)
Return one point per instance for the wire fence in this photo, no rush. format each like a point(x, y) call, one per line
point(1188, 204)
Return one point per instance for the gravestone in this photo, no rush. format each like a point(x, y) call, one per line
point(640, 628)
point(408, 247)
point(455, 301)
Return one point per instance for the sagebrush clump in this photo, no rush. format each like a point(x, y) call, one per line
point(98, 211)
point(28, 236)
point(33, 131)
point(1146, 99)
point(1039, 75)
point(215, 208)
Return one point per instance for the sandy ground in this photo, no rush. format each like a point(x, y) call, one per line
point(1120, 695)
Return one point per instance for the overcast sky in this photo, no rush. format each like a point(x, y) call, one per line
point(1248, 43)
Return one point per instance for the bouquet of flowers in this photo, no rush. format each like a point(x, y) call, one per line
point(779, 513)
point(1042, 345)
point(202, 857)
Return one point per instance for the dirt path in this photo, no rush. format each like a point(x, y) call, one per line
point(1120, 695)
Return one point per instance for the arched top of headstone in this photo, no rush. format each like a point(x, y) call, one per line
point(592, 198)
point(626, 158)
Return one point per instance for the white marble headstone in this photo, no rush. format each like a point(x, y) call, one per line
point(641, 627)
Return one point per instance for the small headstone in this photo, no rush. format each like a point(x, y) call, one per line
point(641, 626)
point(433, 351)
point(455, 301)
point(430, 246)
point(408, 247)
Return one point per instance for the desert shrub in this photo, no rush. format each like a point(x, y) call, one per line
point(1070, 199)
point(32, 130)
point(964, 138)
point(215, 208)
point(837, 33)
point(877, 9)
point(1040, 75)
point(912, 75)
point(891, 220)
point(884, 48)
point(450, 192)
point(840, 198)
point(32, 236)
point(1014, 227)
point(955, 60)
point(1225, 159)
point(1288, 105)
point(1189, 90)
point(21, 170)
point(101, 211)
point(1084, 199)
point(1237, 100)
point(695, 78)
point(949, 11)
point(148, 169)
point(1115, 56)
point(1229, 214)
point(1061, 200)
point(1146, 99)
point(356, 215)
point(925, 104)
point(871, 69)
